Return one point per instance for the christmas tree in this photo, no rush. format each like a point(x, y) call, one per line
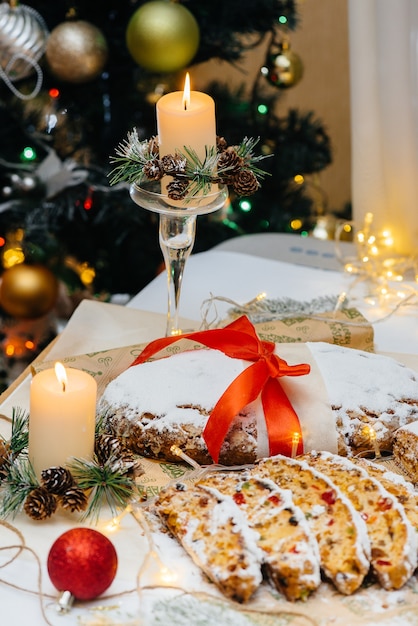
point(75, 81)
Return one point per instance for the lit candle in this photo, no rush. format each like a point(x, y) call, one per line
point(186, 118)
point(62, 417)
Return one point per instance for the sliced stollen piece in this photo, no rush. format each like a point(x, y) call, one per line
point(405, 450)
point(214, 532)
point(289, 549)
point(393, 539)
point(396, 484)
point(344, 546)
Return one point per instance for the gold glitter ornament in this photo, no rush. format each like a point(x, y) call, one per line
point(162, 37)
point(76, 51)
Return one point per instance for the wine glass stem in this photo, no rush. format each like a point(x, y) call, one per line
point(177, 236)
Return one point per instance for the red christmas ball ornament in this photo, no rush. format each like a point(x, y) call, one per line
point(83, 562)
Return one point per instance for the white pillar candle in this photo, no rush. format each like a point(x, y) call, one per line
point(185, 118)
point(62, 417)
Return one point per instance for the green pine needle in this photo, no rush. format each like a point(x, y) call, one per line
point(20, 481)
point(107, 483)
point(132, 154)
point(20, 431)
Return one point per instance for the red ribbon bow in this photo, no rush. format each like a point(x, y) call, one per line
point(239, 340)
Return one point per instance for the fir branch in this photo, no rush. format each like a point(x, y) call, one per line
point(20, 431)
point(139, 160)
point(131, 156)
point(101, 426)
point(107, 483)
point(20, 481)
point(246, 151)
point(200, 174)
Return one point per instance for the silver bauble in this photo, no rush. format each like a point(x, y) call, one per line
point(23, 37)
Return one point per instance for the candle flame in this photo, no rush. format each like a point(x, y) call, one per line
point(61, 374)
point(186, 92)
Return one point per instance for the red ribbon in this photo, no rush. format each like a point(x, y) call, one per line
point(239, 340)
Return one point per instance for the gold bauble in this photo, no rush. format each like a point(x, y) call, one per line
point(76, 51)
point(162, 36)
point(28, 291)
point(285, 68)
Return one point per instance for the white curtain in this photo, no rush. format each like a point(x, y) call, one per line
point(383, 41)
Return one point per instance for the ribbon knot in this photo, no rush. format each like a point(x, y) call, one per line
point(239, 340)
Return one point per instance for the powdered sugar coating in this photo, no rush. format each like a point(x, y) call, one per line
point(172, 388)
point(367, 389)
point(290, 552)
point(412, 427)
point(223, 511)
point(405, 450)
point(169, 400)
point(392, 535)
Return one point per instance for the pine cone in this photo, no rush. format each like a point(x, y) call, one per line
point(232, 161)
point(153, 170)
point(221, 144)
point(74, 499)
point(177, 189)
point(56, 479)
point(107, 446)
point(136, 468)
point(245, 183)
point(40, 504)
point(5, 459)
point(154, 146)
point(173, 164)
point(129, 465)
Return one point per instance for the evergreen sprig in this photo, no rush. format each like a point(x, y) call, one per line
point(20, 431)
point(131, 156)
point(138, 160)
point(200, 174)
point(108, 483)
point(20, 481)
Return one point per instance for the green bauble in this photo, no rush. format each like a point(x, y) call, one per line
point(162, 36)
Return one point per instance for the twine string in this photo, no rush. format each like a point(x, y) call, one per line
point(20, 548)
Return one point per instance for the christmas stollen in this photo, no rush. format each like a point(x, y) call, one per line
point(344, 546)
point(227, 396)
point(214, 532)
point(393, 539)
point(397, 485)
point(289, 549)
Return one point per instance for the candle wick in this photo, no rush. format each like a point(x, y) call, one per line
point(185, 105)
point(63, 385)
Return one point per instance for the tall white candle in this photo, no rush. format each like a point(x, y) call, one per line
point(186, 118)
point(61, 417)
